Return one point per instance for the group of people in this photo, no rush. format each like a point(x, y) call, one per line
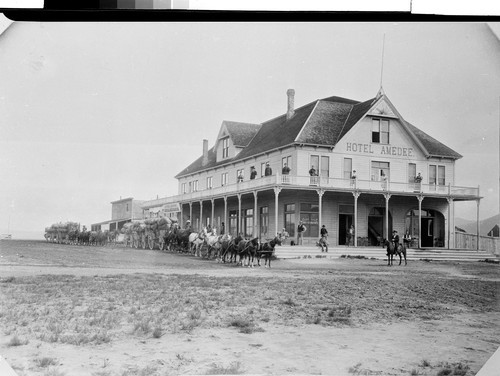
point(268, 171)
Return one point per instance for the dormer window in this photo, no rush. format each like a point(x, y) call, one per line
point(225, 147)
point(380, 131)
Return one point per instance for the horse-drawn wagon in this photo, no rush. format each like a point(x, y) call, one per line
point(156, 232)
point(135, 234)
point(61, 232)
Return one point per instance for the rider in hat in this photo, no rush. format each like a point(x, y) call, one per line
point(395, 239)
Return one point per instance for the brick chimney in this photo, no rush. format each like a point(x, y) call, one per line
point(290, 110)
point(204, 161)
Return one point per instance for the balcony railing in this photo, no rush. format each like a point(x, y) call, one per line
point(321, 182)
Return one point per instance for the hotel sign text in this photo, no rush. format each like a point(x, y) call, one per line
point(382, 149)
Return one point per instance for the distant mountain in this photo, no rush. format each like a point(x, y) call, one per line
point(461, 222)
point(485, 225)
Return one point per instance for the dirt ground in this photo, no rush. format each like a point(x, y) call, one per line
point(307, 316)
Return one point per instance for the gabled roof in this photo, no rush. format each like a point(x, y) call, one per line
point(322, 122)
point(433, 146)
point(241, 133)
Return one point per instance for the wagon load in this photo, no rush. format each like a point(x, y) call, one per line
point(127, 228)
point(60, 231)
point(156, 231)
point(164, 223)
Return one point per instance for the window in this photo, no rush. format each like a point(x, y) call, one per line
point(379, 171)
point(441, 177)
point(240, 175)
point(223, 179)
point(309, 215)
point(314, 162)
point(183, 188)
point(247, 219)
point(437, 175)
point(233, 222)
point(264, 221)
point(262, 169)
point(290, 219)
point(325, 167)
point(347, 168)
point(412, 172)
point(380, 131)
point(127, 207)
point(209, 182)
point(287, 161)
point(190, 187)
point(225, 147)
point(195, 185)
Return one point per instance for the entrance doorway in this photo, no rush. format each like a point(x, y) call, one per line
point(427, 232)
point(376, 224)
point(432, 227)
point(345, 221)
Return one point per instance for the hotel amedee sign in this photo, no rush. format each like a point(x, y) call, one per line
point(397, 151)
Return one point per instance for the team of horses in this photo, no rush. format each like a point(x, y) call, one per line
point(224, 248)
point(83, 237)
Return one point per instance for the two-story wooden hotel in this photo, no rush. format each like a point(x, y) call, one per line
point(335, 136)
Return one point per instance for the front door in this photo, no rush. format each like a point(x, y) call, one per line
point(345, 222)
point(427, 232)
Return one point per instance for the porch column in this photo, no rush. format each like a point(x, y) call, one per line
point(191, 213)
point(182, 217)
point(201, 215)
point(356, 196)
point(277, 191)
point(213, 214)
point(226, 225)
point(239, 215)
point(477, 224)
point(321, 192)
point(255, 224)
point(387, 197)
point(450, 202)
point(420, 199)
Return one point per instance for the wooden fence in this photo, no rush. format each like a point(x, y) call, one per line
point(469, 241)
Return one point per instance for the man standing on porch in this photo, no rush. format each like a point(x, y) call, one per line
point(300, 229)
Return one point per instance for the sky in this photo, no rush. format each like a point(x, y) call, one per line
point(95, 112)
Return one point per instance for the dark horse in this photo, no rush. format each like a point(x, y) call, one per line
point(266, 251)
point(391, 251)
point(247, 249)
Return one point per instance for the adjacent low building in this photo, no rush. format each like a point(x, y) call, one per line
point(335, 162)
point(122, 211)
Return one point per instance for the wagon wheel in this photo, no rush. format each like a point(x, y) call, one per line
point(151, 243)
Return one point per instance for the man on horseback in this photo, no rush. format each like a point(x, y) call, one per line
point(395, 239)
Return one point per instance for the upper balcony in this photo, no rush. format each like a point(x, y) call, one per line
point(319, 182)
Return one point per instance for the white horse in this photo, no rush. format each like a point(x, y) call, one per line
point(196, 240)
point(212, 241)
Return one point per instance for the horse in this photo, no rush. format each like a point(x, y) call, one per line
point(230, 248)
point(196, 240)
point(266, 250)
point(212, 241)
point(181, 237)
point(391, 252)
point(222, 247)
point(247, 249)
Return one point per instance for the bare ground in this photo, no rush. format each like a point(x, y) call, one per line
point(69, 310)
